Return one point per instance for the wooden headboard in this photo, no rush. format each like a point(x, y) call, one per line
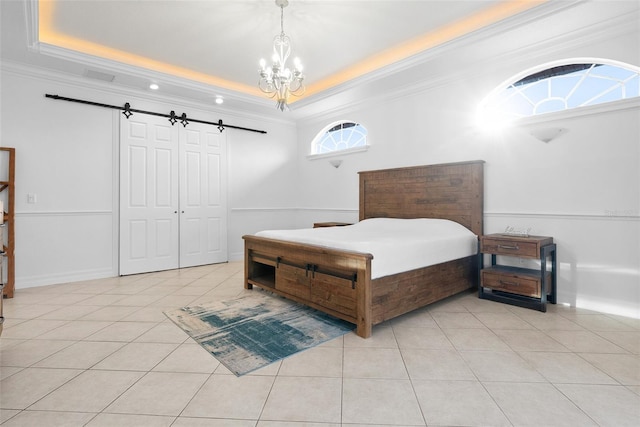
point(453, 191)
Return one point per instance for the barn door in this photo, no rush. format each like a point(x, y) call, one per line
point(149, 222)
point(173, 195)
point(203, 196)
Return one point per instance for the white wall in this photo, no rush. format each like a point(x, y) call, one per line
point(263, 186)
point(582, 188)
point(66, 154)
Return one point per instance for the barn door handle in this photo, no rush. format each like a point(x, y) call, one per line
point(313, 269)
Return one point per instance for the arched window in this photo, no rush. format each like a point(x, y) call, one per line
point(561, 87)
point(339, 137)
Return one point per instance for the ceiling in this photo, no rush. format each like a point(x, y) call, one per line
point(213, 47)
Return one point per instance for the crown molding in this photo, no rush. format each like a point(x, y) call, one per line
point(584, 36)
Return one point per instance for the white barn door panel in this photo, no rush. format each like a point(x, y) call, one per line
point(173, 193)
point(149, 223)
point(203, 197)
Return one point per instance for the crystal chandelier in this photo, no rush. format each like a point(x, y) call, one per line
point(278, 81)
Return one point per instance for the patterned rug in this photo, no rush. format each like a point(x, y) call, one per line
point(255, 330)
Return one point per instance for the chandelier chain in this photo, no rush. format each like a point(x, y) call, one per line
point(282, 20)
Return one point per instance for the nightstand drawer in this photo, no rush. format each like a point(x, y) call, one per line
point(510, 247)
point(512, 280)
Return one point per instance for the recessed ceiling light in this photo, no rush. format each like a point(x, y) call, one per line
point(154, 86)
point(219, 99)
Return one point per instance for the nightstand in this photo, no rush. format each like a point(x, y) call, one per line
point(330, 224)
point(524, 287)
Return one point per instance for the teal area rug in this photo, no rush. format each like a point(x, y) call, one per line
point(255, 330)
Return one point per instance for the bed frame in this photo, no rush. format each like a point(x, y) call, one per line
point(339, 282)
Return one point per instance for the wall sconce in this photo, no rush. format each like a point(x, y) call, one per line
point(547, 134)
point(335, 163)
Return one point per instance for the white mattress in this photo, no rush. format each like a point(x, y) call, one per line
point(397, 245)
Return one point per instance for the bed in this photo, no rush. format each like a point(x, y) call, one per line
point(342, 283)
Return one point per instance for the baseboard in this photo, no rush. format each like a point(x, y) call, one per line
point(25, 282)
point(236, 256)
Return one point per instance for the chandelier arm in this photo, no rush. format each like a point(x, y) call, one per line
point(270, 91)
point(298, 91)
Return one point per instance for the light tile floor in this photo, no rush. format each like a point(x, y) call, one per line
point(102, 353)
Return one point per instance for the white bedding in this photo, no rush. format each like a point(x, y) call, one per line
point(397, 245)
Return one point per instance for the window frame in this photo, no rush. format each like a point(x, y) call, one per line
point(618, 104)
point(346, 151)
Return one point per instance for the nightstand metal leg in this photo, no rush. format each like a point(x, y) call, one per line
point(544, 285)
point(554, 274)
point(480, 267)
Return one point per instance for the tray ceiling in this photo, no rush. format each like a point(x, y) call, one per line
point(219, 43)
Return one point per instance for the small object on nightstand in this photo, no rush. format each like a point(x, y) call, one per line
point(330, 224)
point(523, 287)
point(518, 232)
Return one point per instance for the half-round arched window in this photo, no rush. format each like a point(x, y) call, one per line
point(571, 84)
point(340, 137)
